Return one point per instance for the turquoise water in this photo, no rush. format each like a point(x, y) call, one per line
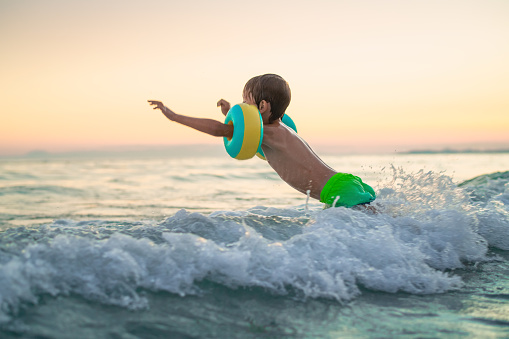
point(209, 247)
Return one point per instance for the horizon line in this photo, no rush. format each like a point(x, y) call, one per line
point(216, 150)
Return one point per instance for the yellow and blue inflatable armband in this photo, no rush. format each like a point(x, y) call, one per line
point(247, 131)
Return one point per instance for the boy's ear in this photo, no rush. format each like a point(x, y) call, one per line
point(264, 106)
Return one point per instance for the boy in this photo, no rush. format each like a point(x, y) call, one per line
point(287, 153)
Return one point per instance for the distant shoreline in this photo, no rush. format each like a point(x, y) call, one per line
point(451, 151)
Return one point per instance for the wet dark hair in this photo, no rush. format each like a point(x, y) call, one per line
point(273, 89)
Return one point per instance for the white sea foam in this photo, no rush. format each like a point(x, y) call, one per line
point(425, 226)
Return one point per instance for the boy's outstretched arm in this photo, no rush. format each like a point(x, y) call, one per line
point(209, 126)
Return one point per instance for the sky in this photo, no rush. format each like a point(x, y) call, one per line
point(366, 76)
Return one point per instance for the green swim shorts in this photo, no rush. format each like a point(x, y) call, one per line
point(348, 189)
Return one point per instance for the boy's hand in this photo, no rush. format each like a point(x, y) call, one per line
point(166, 111)
point(225, 106)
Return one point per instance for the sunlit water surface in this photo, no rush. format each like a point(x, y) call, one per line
point(190, 247)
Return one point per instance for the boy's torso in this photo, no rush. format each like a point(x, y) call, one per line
point(295, 162)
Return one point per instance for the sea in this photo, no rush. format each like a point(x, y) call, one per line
point(194, 244)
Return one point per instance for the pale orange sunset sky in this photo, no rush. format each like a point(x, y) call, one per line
point(366, 76)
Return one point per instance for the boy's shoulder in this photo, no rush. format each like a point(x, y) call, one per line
point(279, 135)
point(273, 128)
point(278, 128)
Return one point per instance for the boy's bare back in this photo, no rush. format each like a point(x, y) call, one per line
point(293, 160)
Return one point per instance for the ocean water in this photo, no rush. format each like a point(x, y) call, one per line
point(146, 246)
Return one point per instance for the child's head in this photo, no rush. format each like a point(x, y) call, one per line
point(273, 89)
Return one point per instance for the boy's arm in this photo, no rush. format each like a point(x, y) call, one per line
point(209, 126)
